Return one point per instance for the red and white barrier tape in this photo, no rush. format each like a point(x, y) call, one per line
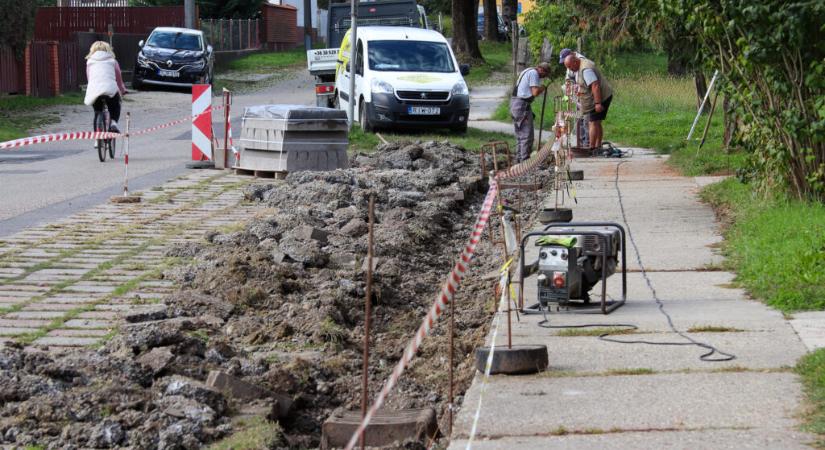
point(451, 285)
point(438, 307)
point(90, 135)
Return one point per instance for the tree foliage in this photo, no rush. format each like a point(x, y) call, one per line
point(16, 23)
point(773, 63)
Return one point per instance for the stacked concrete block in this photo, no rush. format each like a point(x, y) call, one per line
point(290, 138)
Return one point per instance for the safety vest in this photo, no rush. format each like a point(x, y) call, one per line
point(588, 103)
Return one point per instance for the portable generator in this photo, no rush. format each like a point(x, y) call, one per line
point(573, 258)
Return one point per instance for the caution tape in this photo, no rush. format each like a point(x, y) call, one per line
point(438, 307)
point(92, 135)
point(451, 285)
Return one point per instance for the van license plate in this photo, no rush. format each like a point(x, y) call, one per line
point(169, 73)
point(423, 110)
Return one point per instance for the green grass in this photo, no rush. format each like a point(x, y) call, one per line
point(497, 57)
point(19, 114)
point(472, 140)
point(266, 62)
point(254, 433)
point(812, 370)
point(776, 246)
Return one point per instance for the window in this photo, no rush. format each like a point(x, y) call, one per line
point(410, 56)
point(359, 63)
point(177, 41)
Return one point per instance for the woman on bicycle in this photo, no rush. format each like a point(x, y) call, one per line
point(105, 82)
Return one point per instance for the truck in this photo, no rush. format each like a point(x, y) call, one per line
point(322, 63)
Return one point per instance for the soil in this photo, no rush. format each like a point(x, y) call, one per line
point(280, 305)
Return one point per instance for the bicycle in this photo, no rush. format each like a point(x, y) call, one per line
point(102, 122)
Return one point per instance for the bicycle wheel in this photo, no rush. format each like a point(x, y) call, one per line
point(112, 147)
point(101, 143)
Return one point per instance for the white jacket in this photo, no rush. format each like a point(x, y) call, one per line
point(102, 71)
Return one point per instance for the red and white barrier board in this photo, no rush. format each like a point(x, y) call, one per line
point(202, 122)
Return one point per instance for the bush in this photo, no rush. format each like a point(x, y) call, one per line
point(774, 74)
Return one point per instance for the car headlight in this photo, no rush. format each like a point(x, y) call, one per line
point(142, 60)
point(199, 64)
point(381, 87)
point(460, 88)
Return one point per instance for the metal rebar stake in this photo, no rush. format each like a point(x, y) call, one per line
point(367, 314)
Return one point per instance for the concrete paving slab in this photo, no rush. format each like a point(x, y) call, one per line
point(706, 439)
point(15, 331)
point(88, 323)
point(760, 350)
point(522, 405)
point(66, 341)
point(811, 328)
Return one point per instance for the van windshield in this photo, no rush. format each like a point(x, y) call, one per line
point(410, 56)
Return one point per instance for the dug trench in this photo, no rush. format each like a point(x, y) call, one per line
point(279, 305)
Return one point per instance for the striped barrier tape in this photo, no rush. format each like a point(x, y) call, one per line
point(448, 290)
point(451, 285)
point(91, 135)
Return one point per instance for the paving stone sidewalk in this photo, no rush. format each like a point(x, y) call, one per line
point(69, 283)
point(598, 394)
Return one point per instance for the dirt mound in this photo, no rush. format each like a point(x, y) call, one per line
point(280, 306)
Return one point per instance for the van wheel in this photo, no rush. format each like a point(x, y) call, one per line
point(366, 126)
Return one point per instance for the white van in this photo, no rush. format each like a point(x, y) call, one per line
point(405, 77)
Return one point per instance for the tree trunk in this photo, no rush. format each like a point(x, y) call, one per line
point(729, 120)
point(675, 63)
point(701, 84)
point(465, 32)
point(490, 21)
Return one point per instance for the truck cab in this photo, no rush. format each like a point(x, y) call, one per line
point(404, 77)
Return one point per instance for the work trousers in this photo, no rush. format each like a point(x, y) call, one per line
point(522, 115)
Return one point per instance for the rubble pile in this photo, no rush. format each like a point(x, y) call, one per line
point(269, 319)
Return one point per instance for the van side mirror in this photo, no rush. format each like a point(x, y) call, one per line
point(140, 44)
point(465, 69)
point(209, 49)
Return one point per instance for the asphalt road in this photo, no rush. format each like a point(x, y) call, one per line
point(48, 181)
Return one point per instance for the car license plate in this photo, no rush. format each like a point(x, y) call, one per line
point(423, 110)
point(168, 73)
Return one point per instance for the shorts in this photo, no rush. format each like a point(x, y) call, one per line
point(593, 116)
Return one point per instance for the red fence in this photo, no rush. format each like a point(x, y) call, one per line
point(59, 24)
point(280, 26)
point(11, 72)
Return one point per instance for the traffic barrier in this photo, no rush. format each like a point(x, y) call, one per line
point(202, 122)
point(452, 283)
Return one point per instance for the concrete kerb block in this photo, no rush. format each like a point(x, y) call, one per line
point(241, 390)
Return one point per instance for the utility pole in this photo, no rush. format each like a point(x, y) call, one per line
point(189, 13)
point(353, 56)
point(307, 24)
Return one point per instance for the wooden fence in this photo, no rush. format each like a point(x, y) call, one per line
point(11, 72)
point(60, 24)
point(232, 34)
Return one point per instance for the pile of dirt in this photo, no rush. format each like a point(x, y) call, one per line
point(279, 305)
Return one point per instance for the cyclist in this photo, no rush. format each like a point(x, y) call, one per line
point(105, 82)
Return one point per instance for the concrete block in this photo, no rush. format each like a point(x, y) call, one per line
point(241, 390)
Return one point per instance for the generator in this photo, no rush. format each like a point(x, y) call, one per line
point(573, 257)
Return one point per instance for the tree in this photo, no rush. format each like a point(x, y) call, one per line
point(16, 24)
point(213, 9)
point(465, 32)
point(490, 21)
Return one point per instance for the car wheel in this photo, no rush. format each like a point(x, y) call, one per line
point(363, 118)
point(137, 83)
point(459, 129)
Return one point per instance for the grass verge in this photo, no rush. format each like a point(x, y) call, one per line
point(776, 246)
point(19, 113)
point(497, 59)
point(472, 140)
point(812, 370)
point(259, 70)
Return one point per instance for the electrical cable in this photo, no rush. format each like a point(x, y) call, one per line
point(711, 350)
